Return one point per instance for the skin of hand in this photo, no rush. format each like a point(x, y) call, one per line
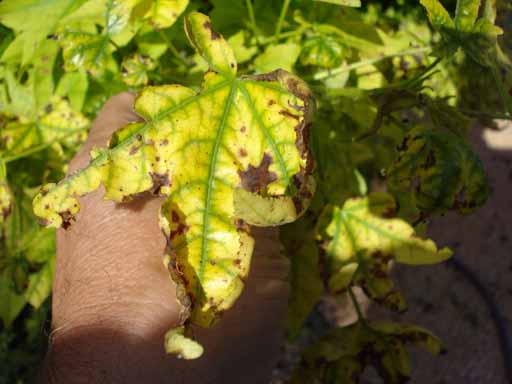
point(113, 299)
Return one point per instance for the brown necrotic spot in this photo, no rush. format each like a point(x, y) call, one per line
point(286, 113)
point(214, 35)
point(159, 181)
point(242, 152)
point(134, 149)
point(257, 178)
point(180, 230)
point(164, 142)
point(67, 217)
point(243, 129)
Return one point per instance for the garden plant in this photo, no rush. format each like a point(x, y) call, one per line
point(344, 122)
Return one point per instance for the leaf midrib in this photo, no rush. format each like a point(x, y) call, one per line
point(129, 139)
point(209, 186)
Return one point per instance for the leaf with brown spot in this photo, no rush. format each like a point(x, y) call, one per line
point(188, 149)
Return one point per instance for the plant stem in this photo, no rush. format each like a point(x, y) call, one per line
point(285, 35)
point(356, 305)
point(329, 73)
point(284, 10)
point(252, 19)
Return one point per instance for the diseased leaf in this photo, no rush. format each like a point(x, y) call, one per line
point(160, 13)
point(322, 51)
point(84, 48)
point(177, 343)
point(440, 171)
point(361, 240)
point(238, 137)
point(55, 122)
point(135, 70)
point(341, 355)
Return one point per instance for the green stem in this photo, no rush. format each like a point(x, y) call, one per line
point(285, 35)
point(252, 19)
point(284, 10)
point(172, 48)
point(329, 73)
point(356, 305)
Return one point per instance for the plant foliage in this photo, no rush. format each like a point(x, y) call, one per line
point(244, 112)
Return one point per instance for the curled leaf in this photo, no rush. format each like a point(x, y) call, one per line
point(177, 343)
point(361, 240)
point(239, 141)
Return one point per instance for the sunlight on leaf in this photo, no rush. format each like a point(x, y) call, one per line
point(361, 240)
point(238, 140)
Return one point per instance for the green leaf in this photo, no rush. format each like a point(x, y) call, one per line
point(40, 285)
point(242, 52)
point(466, 14)
point(437, 14)
point(151, 42)
point(279, 56)
point(439, 171)
point(345, 3)
point(73, 85)
point(160, 13)
point(12, 303)
point(33, 20)
point(202, 150)
point(41, 74)
point(360, 241)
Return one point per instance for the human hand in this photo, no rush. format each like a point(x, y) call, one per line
point(113, 299)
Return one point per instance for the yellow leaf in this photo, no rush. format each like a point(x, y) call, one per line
point(240, 143)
